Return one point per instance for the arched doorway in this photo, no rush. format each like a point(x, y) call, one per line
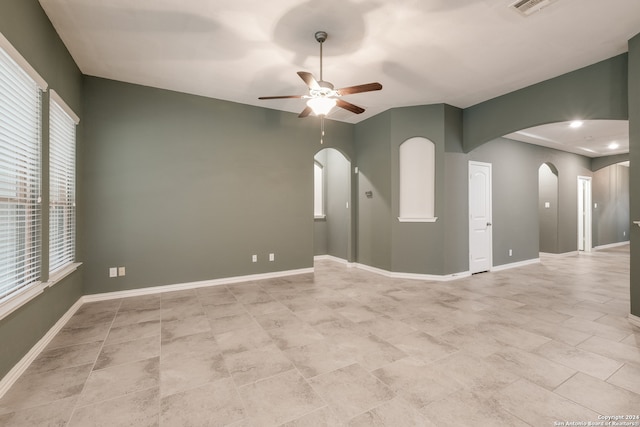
point(332, 218)
point(548, 208)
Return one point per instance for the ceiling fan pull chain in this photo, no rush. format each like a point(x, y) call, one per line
point(321, 129)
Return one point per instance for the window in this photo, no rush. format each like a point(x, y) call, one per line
point(318, 190)
point(20, 211)
point(417, 180)
point(62, 180)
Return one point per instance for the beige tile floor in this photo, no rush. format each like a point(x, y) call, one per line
point(527, 346)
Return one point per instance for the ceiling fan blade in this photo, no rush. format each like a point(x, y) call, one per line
point(281, 97)
point(305, 112)
point(309, 79)
point(349, 106)
point(360, 88)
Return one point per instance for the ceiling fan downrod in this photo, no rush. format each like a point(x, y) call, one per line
point(321, 36)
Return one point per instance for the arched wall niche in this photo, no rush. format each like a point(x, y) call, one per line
point(417, 180)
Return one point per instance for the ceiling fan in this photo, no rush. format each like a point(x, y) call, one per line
point(322, 96)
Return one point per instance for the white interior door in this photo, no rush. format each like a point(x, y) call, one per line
point(584, 213)
point(480, 227)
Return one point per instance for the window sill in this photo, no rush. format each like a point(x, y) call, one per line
point(320, 217)
point(402, 219)
point(14, 301)
point(61, 273)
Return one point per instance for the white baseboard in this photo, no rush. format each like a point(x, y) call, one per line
point(611, 245)
point(515, 264)
point(12, 376)
point(561, 255)
point(334, 259)
point(193, 285)
point(413, 276)
point(635, 320)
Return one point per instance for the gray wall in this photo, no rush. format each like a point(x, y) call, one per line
point(181, 188)
point(610, 191)
point(338, 195)
point(423, 248)
point(418, 247)
point(598, 91)
point(548, 208)
point(442, 248)
point(26, 26)
point(374, 214)
point(601, 162)
point(515, 196)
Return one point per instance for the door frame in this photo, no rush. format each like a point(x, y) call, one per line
point(490, 206)
point(585, 228)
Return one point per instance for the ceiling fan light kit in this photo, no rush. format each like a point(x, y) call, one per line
point(322, 97)
point(321, 106)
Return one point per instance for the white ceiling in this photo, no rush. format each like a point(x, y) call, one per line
point(594, 138)
point(459, 52)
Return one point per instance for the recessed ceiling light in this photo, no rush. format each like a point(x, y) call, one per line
point(614, 145)
point(575, 124)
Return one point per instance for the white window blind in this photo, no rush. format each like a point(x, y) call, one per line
point(62, 188)
point(20, 213)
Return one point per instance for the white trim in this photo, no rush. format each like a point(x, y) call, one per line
point(611, 245)
point(53, 95)
point(334, 259)
point(515, 264)
point(404, 219)
point(585, 200)
point(12, 376)
point(19, 59)
point(319, 217)
point(17, 299)
point(413, 276)
point(635, 320)
point(193, 285)
point(61, 273)
point(560, 255)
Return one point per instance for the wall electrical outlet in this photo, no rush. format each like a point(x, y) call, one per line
point(510, 252)
point(113, 272)
point(272, 257)
point(121, 271)
point(254, 258)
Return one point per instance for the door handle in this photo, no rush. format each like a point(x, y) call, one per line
point(489, 224)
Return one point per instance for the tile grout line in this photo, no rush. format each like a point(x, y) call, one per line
point(75, 405)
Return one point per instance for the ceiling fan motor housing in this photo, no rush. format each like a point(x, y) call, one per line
point(321, 36)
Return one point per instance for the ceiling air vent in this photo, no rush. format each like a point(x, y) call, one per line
point(527, 7)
